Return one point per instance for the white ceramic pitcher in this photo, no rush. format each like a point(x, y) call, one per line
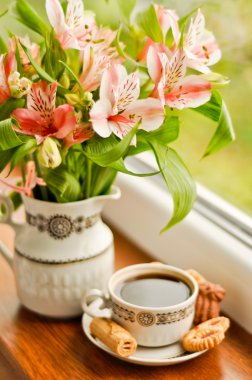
point(61, 251)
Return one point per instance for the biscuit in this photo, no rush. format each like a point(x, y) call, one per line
point(200, 339)
point(208, 301)
point(196, 275)
point(222, 322)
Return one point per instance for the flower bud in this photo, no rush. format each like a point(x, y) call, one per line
point(217, 80)
point(64, 80)
point(18, 87)
point(49, 155)
point(72, 99)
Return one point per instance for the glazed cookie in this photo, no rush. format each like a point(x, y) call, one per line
point(200, 339)
point(221, 322)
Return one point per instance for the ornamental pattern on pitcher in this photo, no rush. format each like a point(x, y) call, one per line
point(61, 226)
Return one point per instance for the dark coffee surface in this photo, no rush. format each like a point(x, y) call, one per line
point(153, 291)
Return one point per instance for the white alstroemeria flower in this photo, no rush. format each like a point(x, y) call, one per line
point(119, 109)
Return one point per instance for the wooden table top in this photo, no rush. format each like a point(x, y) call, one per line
point(33, 347)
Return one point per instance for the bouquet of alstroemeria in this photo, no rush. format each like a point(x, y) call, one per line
point(75, 105)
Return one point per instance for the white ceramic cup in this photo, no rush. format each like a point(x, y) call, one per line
point(151, 326)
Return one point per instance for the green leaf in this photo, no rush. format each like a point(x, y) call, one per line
point(8, 137)
point(120, 167)
point(126, 8)
point(102, 179)
point(53, 56)
point(224, 133)
point(3, 47)
point(148, 21)
point(178, 181)
point(106, 151)
point(130, 63)
point(165, 134)
point(16, 199)
point(64, 186)
point(9, 106)
point(18, 58)
point(146, 89)
point(211, 109)
point(42, 73)
point(216, 110)
point(5, 157)
point(22, 151)
point(29, 17)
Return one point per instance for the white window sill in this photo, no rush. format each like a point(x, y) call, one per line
point(195, 243)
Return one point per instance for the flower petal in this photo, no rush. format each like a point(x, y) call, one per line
point(154, 64)
point(110, 81)
point(120, 129)
point(168, 19)
point(149, 110)
point(30, 182)
point(64, 120)
point(11, 64)
point(30, 122)
point(99, 114)
point(174, 69)
point(205, 53)
point(18, 189)
point(4, 89)
point(56, 16)
point(193, 91)
point(93, 68)
point(75, 14)
point(196, 29)
point(42, 99)
point(81, 133)
point(126, 93)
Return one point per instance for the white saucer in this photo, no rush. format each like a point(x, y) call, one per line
point(157, 356)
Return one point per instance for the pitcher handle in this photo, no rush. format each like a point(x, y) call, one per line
point(6, 217)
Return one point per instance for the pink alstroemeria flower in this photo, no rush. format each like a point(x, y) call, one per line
point(102, 39)
point(34, 49)
point(171, 85)
point(42, 118)
point(82, 132)
point(168, 19)
point(75, 29)
point(93, 68)
point(6, 68)
point(200, 45)
point(118, 109)
point(31, 181)
point(97, 56)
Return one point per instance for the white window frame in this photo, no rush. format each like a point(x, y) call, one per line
point(221, 254)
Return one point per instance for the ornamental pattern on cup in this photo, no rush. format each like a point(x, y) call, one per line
point(146, 319)
point(176, 316)
point(61, 226)
point(123, 313)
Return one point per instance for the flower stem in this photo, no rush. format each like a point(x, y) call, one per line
point(22, 168)
point(43, 190)
point(88, 178)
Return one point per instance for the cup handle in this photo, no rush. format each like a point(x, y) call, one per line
point(97, 308)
